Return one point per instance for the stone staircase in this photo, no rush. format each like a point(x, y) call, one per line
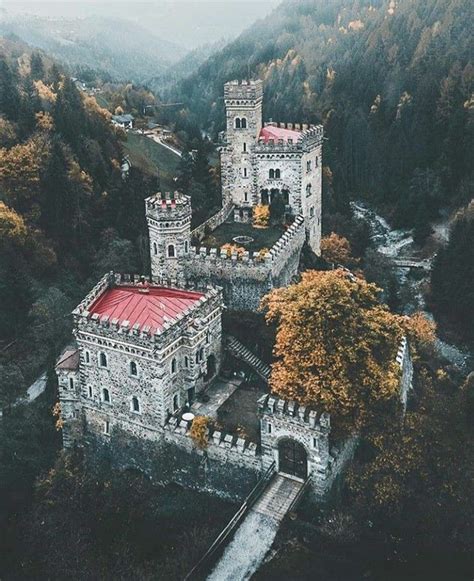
point(239, 351)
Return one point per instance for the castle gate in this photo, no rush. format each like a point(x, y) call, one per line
point(292, 458)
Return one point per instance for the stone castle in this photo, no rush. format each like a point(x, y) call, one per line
point(150, 349)
point(259, 163)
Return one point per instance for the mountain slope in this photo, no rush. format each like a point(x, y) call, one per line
point(122, 49)
point(391, 81)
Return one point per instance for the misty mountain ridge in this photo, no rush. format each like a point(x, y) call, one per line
point(122, 49)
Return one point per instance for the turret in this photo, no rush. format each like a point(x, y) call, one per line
point(169, 227)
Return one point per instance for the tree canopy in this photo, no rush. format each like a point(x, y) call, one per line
point(336, 345)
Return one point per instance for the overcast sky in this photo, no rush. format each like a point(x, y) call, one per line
point(187, 22)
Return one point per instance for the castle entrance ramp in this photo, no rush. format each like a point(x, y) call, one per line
point(254, 537)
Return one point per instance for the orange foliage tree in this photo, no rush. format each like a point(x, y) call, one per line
point(336, 249)
point(335, 346)
point(199, 431)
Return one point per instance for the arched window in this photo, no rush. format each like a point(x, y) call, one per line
point(277, 174)
point(237, 122)
point(105, 395)
point(89, 391)
point(135, 404)
point(271, 174)
point(133, 368)
point(201, 354)
point(71, 382)
point(173, 365)
point(197, 356)
point(176, 402)
point(243, 123)
point(87, 357)
point(103, 360)
point(171, 251)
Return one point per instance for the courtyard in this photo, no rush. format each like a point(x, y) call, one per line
point(261, 237)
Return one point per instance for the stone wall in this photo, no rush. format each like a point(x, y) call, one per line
point(246, 279)
point(213, 222)
point(406, 367)
point(280, 419)
point(226, 469)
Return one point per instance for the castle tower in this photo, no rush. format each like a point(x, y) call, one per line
point(243, 103)
point(169, 227)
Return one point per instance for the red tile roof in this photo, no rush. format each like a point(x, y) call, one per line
point(152, 308)
point(276, 133)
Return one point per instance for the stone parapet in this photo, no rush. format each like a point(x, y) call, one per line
point(310, 138)
point(270, 405)
point(252, 90)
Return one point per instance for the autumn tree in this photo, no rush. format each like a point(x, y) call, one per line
point(336, 250)
point(335, 345)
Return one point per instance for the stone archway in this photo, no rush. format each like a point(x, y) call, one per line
point(292, 458)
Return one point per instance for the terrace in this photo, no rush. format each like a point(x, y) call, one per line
point(257, 238)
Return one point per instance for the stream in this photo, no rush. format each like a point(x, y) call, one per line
point(398, 244)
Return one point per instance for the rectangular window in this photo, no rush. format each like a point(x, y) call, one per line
point(107, 427)
point(71, 383)
point(315, 443)
point(244, 146)
point(245, 172)
point(87, 357)
point(308, 166)
point(269, 428)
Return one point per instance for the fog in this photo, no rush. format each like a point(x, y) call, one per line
point(189, 23)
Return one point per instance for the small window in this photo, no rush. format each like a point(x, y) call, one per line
point(133, 368)
point(171, 251)
point(197, 356)
point(308, 189)
point(173, 365)
point(237, 123)
point(89, 391)
point(103, 360)
point(246, 197)
point(308, 166)
point(315, 443)
point(271, 174)
point(245, 172)
point(269, 428)
point(107, 427)
point(71, 383)
point(277, 174)
point(316, 162)
point(201, 354)
point(176, 402)
point(244, 147)
point(311, 211)
point(243, 123)
point(105, 395)
point(155, 248)
point(186, 247)
point(87, 357)
point(186, 361)
point(135, 404)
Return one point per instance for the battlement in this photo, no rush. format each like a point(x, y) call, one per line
point(268, 258)
point(309, 138)
point(168, 205)
point(248, 90)
point(273, 406)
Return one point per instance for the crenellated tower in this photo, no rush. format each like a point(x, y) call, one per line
point(169, 227)
point(243, 103)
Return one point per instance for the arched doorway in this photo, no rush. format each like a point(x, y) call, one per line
point(292, 458)
point(211, 368)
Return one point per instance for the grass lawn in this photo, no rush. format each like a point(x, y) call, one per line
point(262, 237)
point(152, 158)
